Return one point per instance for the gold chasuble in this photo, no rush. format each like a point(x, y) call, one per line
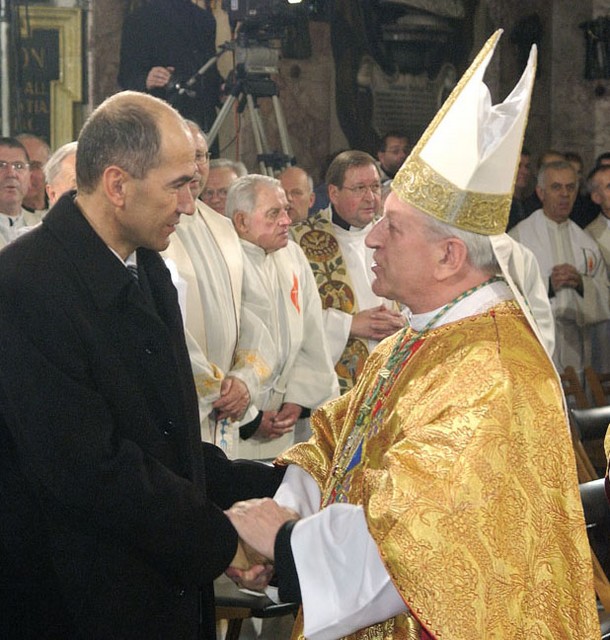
point(464, 467)
point(315, 237)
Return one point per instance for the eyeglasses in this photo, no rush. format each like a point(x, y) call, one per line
point(361, 189)
point(202, 157)
point(17, 166)
point(210, 193)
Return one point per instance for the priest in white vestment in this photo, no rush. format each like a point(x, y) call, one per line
point(571, 263)
point(14, 185)
point(222, 335)
point(355, 318)
point(280, 286)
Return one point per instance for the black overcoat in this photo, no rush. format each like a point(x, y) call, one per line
point(111, 522)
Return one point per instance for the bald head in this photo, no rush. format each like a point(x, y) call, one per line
point(124, 131)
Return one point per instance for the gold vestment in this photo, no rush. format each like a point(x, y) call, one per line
point(468, 485)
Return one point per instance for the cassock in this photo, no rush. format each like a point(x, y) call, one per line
point(448, 490)
point(575, 314)
point(280, 288)
point(341, 263)
point(223, 335)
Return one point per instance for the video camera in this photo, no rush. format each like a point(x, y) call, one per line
point(255, 13)
point(261, 27)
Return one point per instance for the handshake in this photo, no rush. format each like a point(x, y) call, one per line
point(257, 523)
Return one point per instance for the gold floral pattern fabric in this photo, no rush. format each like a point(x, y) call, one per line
point(315, 237)
point(469, 488)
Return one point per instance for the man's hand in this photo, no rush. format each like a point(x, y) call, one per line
point(158, 77)
point(268, 429)
point(234, 399)
point(376, 323)
point(258, 521)
point(565, 275)
point(287, 417)
point(256, 578)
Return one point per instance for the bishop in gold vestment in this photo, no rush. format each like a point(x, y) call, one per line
point(439, 498)
point(467, 483)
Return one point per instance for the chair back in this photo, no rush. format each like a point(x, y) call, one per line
point(599, 384)
point(589, 427)
point(596, 509)
point(573, 389)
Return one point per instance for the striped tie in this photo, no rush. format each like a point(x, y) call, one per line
point(133, 271)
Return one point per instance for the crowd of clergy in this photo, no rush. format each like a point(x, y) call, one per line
point(276, 293)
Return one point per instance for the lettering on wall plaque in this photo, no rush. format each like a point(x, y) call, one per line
point(39, 65)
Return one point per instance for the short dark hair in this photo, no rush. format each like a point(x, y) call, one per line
point(335, 173)
point(117, 133)
point(391, 134)
point(13, 143)
point(601, 157)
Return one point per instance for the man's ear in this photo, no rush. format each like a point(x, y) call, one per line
point(114, 181)
point(540, 193)
point(596, 197)
point(453, 254)
point(333, 189)
point(240, 222)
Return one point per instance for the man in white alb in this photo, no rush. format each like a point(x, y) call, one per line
point(279, 286)
point(355, 319)
point(571, 264)
point(207, 255)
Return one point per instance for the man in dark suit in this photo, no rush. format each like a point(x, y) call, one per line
point(111, 509)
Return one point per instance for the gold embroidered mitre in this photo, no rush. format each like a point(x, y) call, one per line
point(462, 170)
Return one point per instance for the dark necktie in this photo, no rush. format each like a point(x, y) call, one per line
point(133, 271)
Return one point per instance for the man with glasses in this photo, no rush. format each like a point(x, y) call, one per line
point(38, 152)
point(14, 185)
point(221, 173)
point(207, 255)
point(393, 151)
point(355, 318)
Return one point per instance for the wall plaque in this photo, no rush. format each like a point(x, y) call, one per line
point(50, 61)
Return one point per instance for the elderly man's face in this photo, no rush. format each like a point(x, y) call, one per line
point(267, 225)
point(405, 255)
point(558, 194)
point(298, 191)
point(216, 187)
point(154, 204)
point(14, 182)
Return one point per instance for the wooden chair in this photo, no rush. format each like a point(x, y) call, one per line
point(599, 384)
point(573, 390)
point(589, 427)
point(235, 606)
point(597, 517)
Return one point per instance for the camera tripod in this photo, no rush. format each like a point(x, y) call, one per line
point(246, 90)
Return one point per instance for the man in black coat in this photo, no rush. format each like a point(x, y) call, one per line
point(111, 509)
point(167, 40)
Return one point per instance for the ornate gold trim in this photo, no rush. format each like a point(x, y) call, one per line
point(418, 184)
point(66, 91)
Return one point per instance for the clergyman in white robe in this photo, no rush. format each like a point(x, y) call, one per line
point(222, 334)
point(575, 313)
point(280, 287)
